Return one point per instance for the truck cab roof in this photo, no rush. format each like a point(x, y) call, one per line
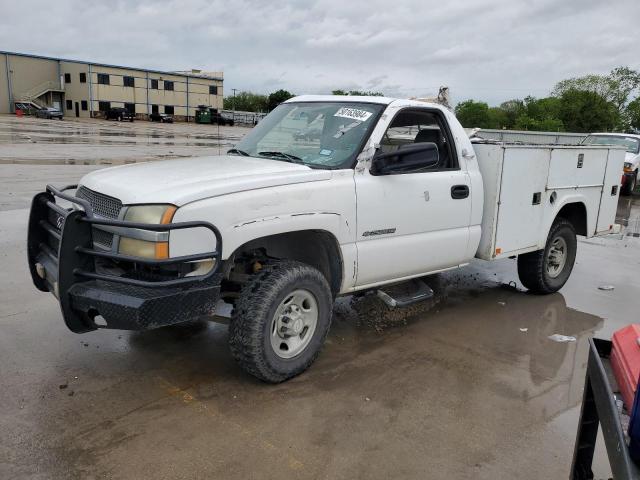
point(364, 99)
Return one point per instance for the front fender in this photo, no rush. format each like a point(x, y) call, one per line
point(249, 215)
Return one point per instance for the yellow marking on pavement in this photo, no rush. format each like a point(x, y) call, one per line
point(210, 410)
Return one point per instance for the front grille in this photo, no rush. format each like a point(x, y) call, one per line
point(103, 206)
point(102, 238)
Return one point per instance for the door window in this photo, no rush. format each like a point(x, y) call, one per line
point(418, 126)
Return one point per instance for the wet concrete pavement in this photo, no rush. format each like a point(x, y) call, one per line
point(28, 140)
point(467, 386)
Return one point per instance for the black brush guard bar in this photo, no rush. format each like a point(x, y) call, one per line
point(70, 272)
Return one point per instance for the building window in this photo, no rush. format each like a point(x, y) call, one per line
point(83, 77)
point(130, 107)
point(104, 106)
point(84, 105)
point(128, 81)
point(154, 109)
point(213, 89)
point(103, 79)
point(168, 109)
point(69, 105)
point(154, 84)
point(67, 78)
point(168, 85)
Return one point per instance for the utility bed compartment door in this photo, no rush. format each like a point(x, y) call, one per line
point(572, 168)
point(522, 193)
point(610, 191)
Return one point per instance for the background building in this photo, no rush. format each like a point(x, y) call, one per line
point(86, 89)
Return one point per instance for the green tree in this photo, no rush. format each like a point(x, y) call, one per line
point(587, 111)
point(497, 118)
point(512, 109)
point(339, 92)
point(617, 87)
point(277, 97)
point(246, 102)
point(472, 114)
point(633, 114)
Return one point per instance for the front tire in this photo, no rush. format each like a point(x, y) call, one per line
point(280, 321)
point(547, 270)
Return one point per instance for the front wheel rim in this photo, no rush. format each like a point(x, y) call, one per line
point(557, 257)
point(294, 323)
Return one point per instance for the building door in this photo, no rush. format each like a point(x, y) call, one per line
point(77, 109)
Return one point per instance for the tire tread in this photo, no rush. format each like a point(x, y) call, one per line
point(246, 337)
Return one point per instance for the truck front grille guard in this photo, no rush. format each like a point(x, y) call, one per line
point(74, 259)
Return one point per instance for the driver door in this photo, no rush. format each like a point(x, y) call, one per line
point(411, 224)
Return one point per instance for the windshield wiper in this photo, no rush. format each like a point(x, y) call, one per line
point(285, 156)
point(238, 152)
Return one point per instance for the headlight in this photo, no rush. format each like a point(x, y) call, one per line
point(155, 214)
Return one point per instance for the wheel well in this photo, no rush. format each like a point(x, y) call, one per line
point(317, 248)
point(576, 213)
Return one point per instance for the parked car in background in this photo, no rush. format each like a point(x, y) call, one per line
point(161, 117)
point(27, 108)
point(49, 113)
point(119, 113)
point(216, 117)
point(631, 159)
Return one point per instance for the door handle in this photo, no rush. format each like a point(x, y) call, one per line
point(459, 192)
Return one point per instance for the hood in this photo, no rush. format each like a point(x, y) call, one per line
point(186, 180)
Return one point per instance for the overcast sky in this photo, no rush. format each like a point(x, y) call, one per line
point(485, 49)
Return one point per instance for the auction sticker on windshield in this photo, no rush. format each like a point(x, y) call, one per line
point(353, 114)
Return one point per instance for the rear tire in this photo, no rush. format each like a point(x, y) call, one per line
point(267, 333)
point(547, 270)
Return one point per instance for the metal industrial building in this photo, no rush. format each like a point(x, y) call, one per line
point(87, 89)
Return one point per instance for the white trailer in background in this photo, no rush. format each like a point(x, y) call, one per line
point(523, 136)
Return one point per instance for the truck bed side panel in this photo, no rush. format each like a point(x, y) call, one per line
point(521, 209)
point(526, 186)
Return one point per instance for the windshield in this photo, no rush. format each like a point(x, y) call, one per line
point(317, 134)
point(631, 144)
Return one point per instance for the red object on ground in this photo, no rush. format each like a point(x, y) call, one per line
point(625, 361)
point(18, 112)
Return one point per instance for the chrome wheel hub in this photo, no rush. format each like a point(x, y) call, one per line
point(294, 323)
point(556, 257)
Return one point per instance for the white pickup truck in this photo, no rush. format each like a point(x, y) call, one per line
point(631, 143)
point(327, 196)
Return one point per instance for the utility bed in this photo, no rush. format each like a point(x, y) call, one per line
point(526, 185)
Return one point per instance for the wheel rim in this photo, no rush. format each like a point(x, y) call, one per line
point(294, 323)
point(556, 257)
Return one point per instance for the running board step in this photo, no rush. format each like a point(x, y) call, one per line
point(423, 292)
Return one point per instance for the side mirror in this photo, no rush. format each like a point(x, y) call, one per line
point(407, 159)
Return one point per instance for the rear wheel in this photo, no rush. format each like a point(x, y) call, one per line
point(280, 321)
point(547, 270)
